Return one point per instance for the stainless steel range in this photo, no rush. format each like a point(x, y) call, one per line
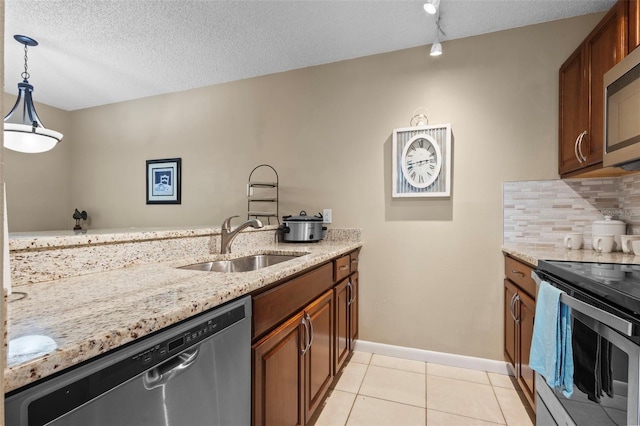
point(605, 325)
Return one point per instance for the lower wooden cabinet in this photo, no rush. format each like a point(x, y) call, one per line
point(519, 314)
point(346, 295)
point(318, 359)
point(293, 366)
point(278, 373)
point(304, 329)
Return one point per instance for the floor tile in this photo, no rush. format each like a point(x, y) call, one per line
point(467, 399)
point(475, 376)
point(501, 380)
point(368, 411)
point(361, 357)
point(394, 385)
point(439, 418)
point(512, 407)
point(351, 377)
point(398, 363)
point(336, 409)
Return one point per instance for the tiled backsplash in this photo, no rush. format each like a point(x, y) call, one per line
point(541, 212)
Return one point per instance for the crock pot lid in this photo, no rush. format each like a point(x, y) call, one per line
point(303, 217)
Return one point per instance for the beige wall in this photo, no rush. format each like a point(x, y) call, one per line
point(38, 185)
point(431, 269)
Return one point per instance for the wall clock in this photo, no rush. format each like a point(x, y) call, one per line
point(422, 161)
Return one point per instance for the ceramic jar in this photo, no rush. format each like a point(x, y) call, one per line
point(609, 226)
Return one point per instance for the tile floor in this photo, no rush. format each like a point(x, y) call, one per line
point(381, 390)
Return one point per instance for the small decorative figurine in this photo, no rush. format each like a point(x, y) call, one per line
point(77, 216)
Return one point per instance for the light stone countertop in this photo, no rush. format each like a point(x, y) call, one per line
point(532, 254)
point(51, 239)
point(91, 314)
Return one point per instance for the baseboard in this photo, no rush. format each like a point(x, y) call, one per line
point(453, 360)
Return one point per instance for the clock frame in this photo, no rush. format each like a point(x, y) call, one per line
point(440, 186)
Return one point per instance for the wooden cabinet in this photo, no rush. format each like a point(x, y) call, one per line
point(346, 295)
point(293, 366)
point(277, 376)
point(581, 109)
point(633, 27)
point(304, 330)
point(519, 313)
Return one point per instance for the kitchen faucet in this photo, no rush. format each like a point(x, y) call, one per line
point(228, 235)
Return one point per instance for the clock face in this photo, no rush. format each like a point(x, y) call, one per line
point(421, 161)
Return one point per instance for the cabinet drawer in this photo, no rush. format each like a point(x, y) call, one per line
point(341, 268)
point(274, 306)
point(354, 255)
point(520, 273)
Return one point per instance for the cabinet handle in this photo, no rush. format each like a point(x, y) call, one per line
point(575, 148)
point(518, 273)
point(312, 332)
point(515, 300)
point(580, 139)
point(306, 340)
point(352, 295)
point(344, 267)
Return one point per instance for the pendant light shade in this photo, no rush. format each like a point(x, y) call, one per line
point(23, 130)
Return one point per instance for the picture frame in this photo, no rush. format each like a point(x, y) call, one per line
point(164, 181)
point(441, 138)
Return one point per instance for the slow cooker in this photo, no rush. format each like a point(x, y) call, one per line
point(302, 228)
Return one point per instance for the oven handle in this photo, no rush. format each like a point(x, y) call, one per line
point(610, 320)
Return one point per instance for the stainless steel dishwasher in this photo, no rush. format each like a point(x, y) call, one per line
point(195, 373)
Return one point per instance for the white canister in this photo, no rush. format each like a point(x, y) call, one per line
point(609, 226)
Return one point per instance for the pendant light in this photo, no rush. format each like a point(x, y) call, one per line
point(23, 130)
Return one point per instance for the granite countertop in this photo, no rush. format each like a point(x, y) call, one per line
point(91, 314)
point(532, 254)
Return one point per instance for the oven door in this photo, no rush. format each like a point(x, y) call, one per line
point(606, 371)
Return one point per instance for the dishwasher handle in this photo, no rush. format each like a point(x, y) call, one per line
point(160, 375)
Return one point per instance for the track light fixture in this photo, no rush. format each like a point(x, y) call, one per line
point(431, 6)
point(436, 48)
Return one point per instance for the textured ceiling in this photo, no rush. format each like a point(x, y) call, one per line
point(95, 52)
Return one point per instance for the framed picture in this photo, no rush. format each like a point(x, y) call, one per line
point(163, 181)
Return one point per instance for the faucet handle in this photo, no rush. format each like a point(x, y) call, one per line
point(226, 225)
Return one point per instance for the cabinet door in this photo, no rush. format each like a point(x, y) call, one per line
point(605, 47)
point(510, 292)
point(278, 375)
point(634, 25)
point(573, 110)
point(353, 310)
point(342, 323)
point(318, 359)
point(526, 315)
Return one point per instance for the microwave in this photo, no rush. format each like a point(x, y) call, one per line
point(622, 114)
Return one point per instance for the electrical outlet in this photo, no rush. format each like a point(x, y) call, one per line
point(326, 216)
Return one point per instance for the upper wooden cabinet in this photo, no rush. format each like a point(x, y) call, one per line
point(633, 24)
point(581, 121)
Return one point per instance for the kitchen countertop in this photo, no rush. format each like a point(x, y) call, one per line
point(91, 314)
point(532, 254)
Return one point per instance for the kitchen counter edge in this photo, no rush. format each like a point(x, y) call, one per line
point(532, 254)
point(134, 302)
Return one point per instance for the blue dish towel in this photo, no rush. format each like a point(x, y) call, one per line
point(551, 351)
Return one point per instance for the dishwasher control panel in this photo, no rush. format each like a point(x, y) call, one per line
point(162, 351)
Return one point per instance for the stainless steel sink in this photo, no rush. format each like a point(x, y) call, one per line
point(241, 264)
